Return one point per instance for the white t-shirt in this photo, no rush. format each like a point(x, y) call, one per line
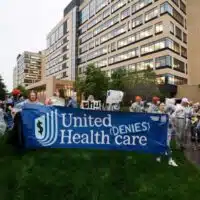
point(180, 112)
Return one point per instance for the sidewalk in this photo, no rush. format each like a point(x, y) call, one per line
point(193, 154)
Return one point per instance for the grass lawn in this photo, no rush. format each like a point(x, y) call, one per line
point(94, 175)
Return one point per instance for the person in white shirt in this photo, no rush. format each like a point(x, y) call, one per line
point(58, 99)
point(154, 107)
point(137, 106)
point(180, 122)
point(167, 109)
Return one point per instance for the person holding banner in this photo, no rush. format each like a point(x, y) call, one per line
point(31, 100)
point(163, 109)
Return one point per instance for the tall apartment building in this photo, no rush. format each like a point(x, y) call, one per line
point(135, 34)
point(193, 10)
point(28, 69)
point(15, 79)
point(61, 46)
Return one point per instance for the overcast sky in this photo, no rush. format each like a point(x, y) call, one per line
point(24, 25)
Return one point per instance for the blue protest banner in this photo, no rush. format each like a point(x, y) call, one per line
point(59, 127)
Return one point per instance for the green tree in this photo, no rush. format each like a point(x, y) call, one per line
point(141, 84)
point(23, 90)
point(95, 82)
point(2, 89)
point(117, 79)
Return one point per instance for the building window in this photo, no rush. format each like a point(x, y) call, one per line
point(140, 4)
point(179, 18)
point(175, 80)
point(182, 6)
point(167, 8)
point(184, 37)
point(163, 62)
point(185, 24)
point(106, 13)
point(154, 46)
point(176, 47)
point(184, 52)
point(82, 59)
point(83, 29)
point(95, 21)
point(135, 37)
point(59, 33)
point(159, 27)
point(159, 45)
point(92, 8)
point(86, 37)
point(176, 2)
point(178, 33)
point(132, 67)
point(171, 28)
point(123, 56)
point(113, 33)
point(113, 46)
point(141, 66)
point(101, 4)
point(151, 14)
point(118, 5)
point(91, 45)
point(179, 65)
point(125, 13)
point(97, 42)
point(106, 25)
point(137, 21)
point(160, 80)
point(83, 49)
point(101, 63)
point(97, 53)
point(84, 14)
point(65, 27)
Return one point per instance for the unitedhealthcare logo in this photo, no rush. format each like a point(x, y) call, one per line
point(46, 128)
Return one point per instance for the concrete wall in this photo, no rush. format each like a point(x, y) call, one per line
point(193, 10)
point(48, 86)
point(192, 92)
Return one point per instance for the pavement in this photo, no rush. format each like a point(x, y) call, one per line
point(192, 153)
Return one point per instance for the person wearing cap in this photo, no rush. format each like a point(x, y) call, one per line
point(154, 107)
point(137, 106)
point(180, 121)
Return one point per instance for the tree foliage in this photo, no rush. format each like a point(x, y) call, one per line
point(133, 83)
point(118, 79)
point(94, 83)
point(2, 89)
point(142, 84)
point(24, 91)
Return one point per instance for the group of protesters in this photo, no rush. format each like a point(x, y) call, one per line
point(16, 102)
point(184, 119)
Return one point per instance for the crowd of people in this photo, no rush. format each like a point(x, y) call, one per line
point(15, 103)
point(184, 116)
point(184, 120)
